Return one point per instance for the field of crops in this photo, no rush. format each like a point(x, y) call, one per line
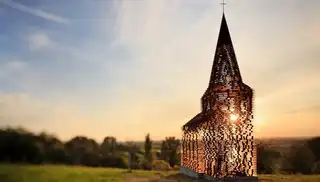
point(58, 173)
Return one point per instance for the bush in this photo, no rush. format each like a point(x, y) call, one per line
point(268, 160)
point(316, 168)
point(160, 165)
point(146, 165)
point(113, 161)
point(302, 159)
point(176, 167)
point(314, 145)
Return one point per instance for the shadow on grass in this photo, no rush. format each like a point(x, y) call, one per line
point(174, 178)
point(183, 178)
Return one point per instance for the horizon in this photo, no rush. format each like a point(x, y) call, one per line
point(117, 68)
point(157, 140)
point(142, 140)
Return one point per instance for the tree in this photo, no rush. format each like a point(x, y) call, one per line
point(108, 146)
point(133, 160)
point(268, 160)
point(148, 153)
point(19, 145)
point(164, 151)
point(81, 148)
point(169, 150)
point(314, 146)
point(53, 149)
point(302, 159)
point(113, 161)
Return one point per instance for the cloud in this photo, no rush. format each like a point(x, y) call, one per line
point(39, 40)
point(17, 74)
point(306, 109)
point(11, 67)
point(15, 66)
point(36, 12)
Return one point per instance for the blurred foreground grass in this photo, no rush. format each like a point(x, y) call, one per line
point(60, 173)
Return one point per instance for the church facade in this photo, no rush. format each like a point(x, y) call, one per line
point(218, 142)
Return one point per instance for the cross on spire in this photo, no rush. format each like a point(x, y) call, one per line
point(223, 4)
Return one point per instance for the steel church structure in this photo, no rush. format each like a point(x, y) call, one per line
point(218, 142)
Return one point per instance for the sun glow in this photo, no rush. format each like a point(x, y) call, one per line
point(258, 122)
point(233, 117)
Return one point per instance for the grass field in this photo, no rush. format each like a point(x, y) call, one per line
point(55, 173)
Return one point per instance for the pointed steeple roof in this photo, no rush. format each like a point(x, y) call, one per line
point(225, 62)
point(224, 35)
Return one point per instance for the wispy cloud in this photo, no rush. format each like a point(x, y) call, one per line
point(9, 67)
point(305, 109)
point(39, 40)
point(16, 66)
point(36, 12)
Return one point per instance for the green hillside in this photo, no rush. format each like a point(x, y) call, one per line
point(59, 173)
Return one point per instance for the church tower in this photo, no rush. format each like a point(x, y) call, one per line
point(218, 142)
point(225, 73)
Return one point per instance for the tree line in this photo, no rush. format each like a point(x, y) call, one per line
point(299, 158)
point(18, 145)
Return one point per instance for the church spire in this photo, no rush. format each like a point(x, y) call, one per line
point(224, 34)
point(225, 68)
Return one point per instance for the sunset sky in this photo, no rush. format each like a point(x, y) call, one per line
point(126, 68)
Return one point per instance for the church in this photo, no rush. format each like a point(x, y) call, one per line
point(218, 142)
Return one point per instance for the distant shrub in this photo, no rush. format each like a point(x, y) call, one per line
point(113, 161)
point(268, 161)
point(302, 160)
point(314, 146)
point(176, 167)
point(146, 165)
point(161, 165)
point(316, 168)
